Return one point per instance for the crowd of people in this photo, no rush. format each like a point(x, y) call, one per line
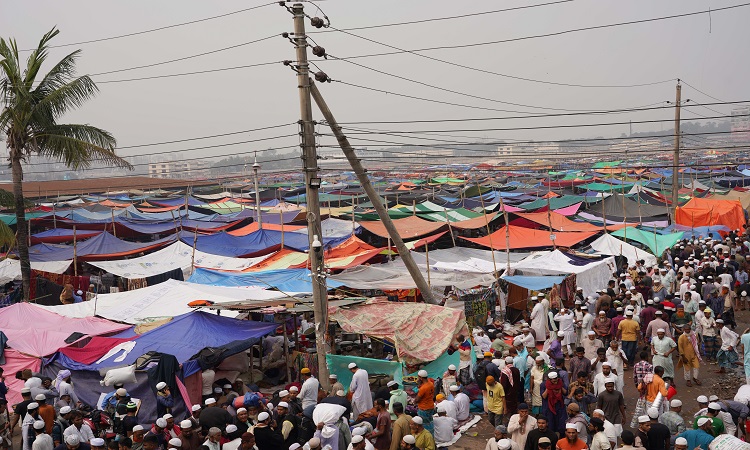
point(558, 384)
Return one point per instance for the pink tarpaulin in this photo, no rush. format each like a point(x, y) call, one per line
point(97, 347)
point(420, 331)
point(15, 361)
point(569, 210)
point(38, 332)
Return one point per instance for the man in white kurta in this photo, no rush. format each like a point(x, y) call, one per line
point(538, 320)
point(309, 392)
point(360, 389)
point(567, 320)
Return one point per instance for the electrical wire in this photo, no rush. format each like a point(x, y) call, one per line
point(152, 30)
point(199, 72)
point(557, 33)
point(504, 75)
point(698, 90)
point(210, 52)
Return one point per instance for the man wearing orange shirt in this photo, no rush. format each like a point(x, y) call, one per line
point(571, 440)
point(655, 387)
point(426, 399)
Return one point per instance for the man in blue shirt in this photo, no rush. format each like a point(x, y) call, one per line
point(700, 437)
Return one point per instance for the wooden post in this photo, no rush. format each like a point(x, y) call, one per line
point(507, 235)
point(195, 243)
point(75, 250)
point(281, 221)
point(450, 228)
point(427, 255)
point(114, 230)
point(286, 351)
point(489, 237)
point(549, 223)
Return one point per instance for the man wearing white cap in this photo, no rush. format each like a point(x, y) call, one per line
point(566, 318)
point(699, 437)
point(360, 390)
point(175, 443)
point(398, 395)
point(42, 440)
point(289, 423)
point(189, 438)
point(425, 399)
point(358, 443)
point(212, 416)
point(590, 345)
point(672, 418)
point(727, 354)
point(164, 399)
point(78, 428)
point(571, 441)
point(662, 347)
point(538, 320)
point(423, 440)
point(336, 385)
point(408, 442)
point(641, 434)
point(449, 378)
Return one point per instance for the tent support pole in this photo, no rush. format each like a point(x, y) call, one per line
point(75, 250)
point(281, 221)
point(507, 236)
point(489, 236)
point(364, 180)
point(286, 350)
point(361, 346)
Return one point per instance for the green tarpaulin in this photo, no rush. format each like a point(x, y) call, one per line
point(606, 164)
point(554, 203)
point(605, 187)
point(657, 243)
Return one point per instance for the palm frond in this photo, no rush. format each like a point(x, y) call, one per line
point(7, 236)
point(57, 99)
point(37, 58)
point(78, 145)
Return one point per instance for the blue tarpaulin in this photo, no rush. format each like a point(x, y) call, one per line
point(257, 243)
point(285, 280)
point(184, 337)
point(103, 246)
point(534, 283)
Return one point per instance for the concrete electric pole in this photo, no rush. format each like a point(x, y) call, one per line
point(312, 183)
point(361, 173)
point(676, 158)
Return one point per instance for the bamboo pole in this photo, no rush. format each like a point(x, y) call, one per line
point(507, 235)
point(286, 350)
point(195, 243)
point(114, 230)
point(427, 255)
point(489, 236)
point(450, 228)
point(281, 221)
point(549, 223)
point(75, 251)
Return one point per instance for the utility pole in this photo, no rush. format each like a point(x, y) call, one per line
point(676, 158)
point(312, 183)
point(256, 167)
point(361, 173)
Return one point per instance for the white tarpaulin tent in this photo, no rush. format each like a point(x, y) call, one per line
point(395, 276)
point(607, 244)
point(334, 228)
point(464, 259)
point(166, 299)
point(176, 256)
point(10, 269)
point(590, 276)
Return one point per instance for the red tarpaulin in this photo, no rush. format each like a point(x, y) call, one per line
point(97, 347)
point(559, 222)
point(527, 238)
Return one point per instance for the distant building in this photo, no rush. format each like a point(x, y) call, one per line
point(741, 124)
point(179, 169)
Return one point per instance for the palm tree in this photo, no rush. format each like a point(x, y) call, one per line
point(32, 104)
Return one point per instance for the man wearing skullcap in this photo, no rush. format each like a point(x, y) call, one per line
point(672, 418)
point(287, 423)
point(397, 395)
point(449, 377)
point(408, 442)
point(712, 413)
point(699, 437)
point(539, 320)
point(662, 347)
point(129, 420)
point(42, 440)
point(495, 401)
point(359, 388)
point(571, 440)
point(423, 439)
point(553, 402)
point(425, 399)
point(164, 399)
point(189, 437)
point(590, 345)
point(310, 386)
point(727, 354)
point(336, 385)
point(658, 435)
point(520, 424)
point(707, 331)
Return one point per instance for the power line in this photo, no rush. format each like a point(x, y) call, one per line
point(195, 139)
point(545, 127)
point(696, 89)
point(199, 72)
point(437, 19)
point(166, 27)
point(490, 72)
point(452, 91)
point(557, 33)
point(210, 52)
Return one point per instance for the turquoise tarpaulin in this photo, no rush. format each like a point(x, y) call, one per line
point(656, 243)
point(436, 368)
point(339, 365)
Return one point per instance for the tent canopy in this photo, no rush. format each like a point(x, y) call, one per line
point(521, 237)
point(420, 331)
point(607, 244)
point(657, 243)
point(34, 331)
point(285, 280)
point(101, 247)
point(590, 274)
point(408, 227)
point(707, 212)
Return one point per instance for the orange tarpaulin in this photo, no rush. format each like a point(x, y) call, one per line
point(253, 227)
point(528, 238)
point(473, 224)
point(562, 223)
point(409, 227)
point(701, 212)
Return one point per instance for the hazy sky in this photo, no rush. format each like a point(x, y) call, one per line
point(709, 53)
